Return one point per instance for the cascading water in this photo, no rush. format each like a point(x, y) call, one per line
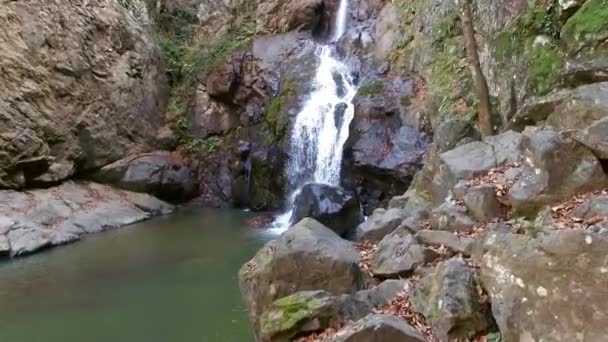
point(322, 126)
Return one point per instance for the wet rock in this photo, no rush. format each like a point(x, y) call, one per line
point(449, 300)
point(453, 242)
point(166, 139)
point(276, 270)
point(451, 217)
point(378, 328)
point(5, 247)
point(596, 138)
point(331, 206)
point(339, 114)
point(482, 202)
point(555, 168)
point(160, 174)
point(399, 254)
point(381, 223)
point(549, 287)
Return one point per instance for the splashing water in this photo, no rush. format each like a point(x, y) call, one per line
point(321, 127)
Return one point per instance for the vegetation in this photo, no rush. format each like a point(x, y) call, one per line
point(275, 116)
point(585, 23)
point(374, 88)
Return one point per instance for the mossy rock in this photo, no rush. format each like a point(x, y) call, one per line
point(295, 314)
point(587, 26)
point(276, 116)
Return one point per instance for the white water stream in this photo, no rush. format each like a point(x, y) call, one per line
point(318, 135)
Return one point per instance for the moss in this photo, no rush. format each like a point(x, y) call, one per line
point(275, 114)
point(446, 27)
point(590, 19)
point(544, 69)
point(286, 314)
point(374, 88)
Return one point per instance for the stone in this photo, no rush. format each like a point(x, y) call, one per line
point(453, 242)
point(160, 174)
point(595, 137)
point(506, 147)
point(28, 239)
point(78, 99)
point(449, 300)
point(594, 207)
point(482, 202)
point(378, 328)
point(450, 132)
point(381, 223)
point(331, 206)
point(398, 255)
point(308, 311)
point(5, 247)
point(555, 168)
point(469, 160)
point(451, 217)
point(276, 271)
point(44, 218)
point(550, 287)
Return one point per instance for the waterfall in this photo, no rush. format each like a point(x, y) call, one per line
point(322, 126)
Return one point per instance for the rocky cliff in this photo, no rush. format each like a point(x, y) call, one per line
point(82, 85)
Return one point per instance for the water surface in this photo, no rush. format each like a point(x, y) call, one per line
point(170, 279)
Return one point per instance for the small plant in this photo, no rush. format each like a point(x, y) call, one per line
point(494, 337)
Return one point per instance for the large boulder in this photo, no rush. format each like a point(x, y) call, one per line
point(596, 138)
point(300, 260)
point(82, 87)
point(378, 328)
point(555, 167)
point(387, 143)
point(550, 288)
point(38, 219)
point(161, 174)
point(449, 300)
point(331, 206)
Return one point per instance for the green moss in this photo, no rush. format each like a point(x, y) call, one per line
point(544, 69)
point(590, 19)
point(286, 314)
point(275, 115)
point(446, 27)
point(374, 88)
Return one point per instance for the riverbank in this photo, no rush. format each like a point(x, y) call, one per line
point(34, 220)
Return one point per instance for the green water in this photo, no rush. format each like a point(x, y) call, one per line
point(169, 279)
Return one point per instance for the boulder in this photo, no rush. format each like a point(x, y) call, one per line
point(593, 208)
point(449, 300)
point(38, 219)
point(300, 260)
point(78, 100)
point(450, 133)
point(451, 217)
point(399, 254)
point(482, 202)
point(5, 247)
point(381, 223)
point(453, 242)
point(469, 160)
point(555, 168)
point(506, 147)
point(378, 328)
point(160, 174)
point(310, 311)
point(596, 138)
point(331, 206)
point(550, 288)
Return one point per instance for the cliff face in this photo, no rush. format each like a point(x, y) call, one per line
point(81, 86)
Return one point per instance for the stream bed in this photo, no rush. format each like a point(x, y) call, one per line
point(170, 279)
